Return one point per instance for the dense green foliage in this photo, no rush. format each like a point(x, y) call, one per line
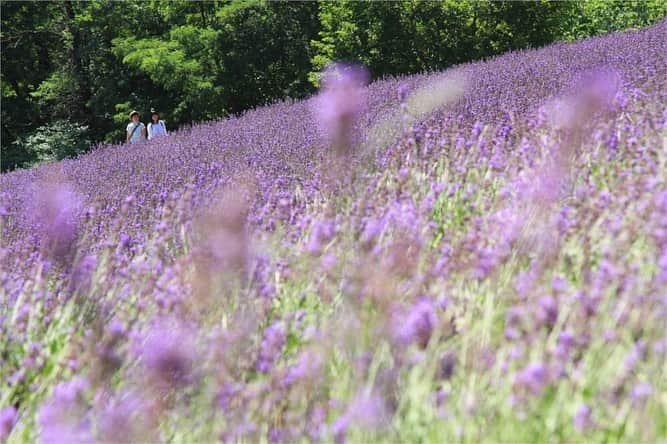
point(92, 62)
point(55, 141)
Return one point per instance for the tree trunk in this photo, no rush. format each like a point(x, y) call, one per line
point(81, 94)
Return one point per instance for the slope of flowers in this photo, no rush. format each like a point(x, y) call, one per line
point(473, 255)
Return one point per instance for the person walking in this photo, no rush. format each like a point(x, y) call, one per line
point(136, 131)
point(156, 128)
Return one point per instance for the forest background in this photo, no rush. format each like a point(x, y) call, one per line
point(72, 71)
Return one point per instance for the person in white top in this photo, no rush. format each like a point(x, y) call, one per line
point(136, 131)
point(156, 128)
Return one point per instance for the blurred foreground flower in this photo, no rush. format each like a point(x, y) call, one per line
point(441, 91)
point(418, 324)
point(272, 345)
point(55, 212)
point(594, 92)
point(168, 355)
point(8, 417)
point(340, 103)
point(125, 420)
point(641, 392)
point(222, 252)
point(62, 419)
point(582, 419)
point(367, 411)
point(532, 379)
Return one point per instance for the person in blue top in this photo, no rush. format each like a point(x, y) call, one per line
point(136, 131)
point(156, 128)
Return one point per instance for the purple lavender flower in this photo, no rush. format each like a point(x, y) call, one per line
point(8, 417)
point(582, 419)
point(271, 347)
point(599, 88)
point(418, 324)
point(276, 436)
point(339, 428)
point(447, 365)
point(82, 274)
point(565, 343)
point(124, 419)
point(403, 91)
point(533, 378)
point(641, 392)
point(227, 393)
point(367, 411)
point(328, 262)
point(55, 213)
point(307, 368)
point(124, 241)
point(322, 232)
point(371, 232)
point(341, 102)
point(548, 310)
point(62, 419)
point(168, 355)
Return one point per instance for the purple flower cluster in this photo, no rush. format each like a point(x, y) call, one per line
point(271, 347)
point(493, 266)
point(341, 102)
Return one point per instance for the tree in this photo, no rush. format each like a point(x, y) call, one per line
point(226, 57)
point(27, 36)
point(412, 36)
point(265, 51)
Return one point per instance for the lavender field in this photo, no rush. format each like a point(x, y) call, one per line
point(477, 255)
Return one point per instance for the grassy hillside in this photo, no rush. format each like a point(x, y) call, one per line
point(473, 255)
